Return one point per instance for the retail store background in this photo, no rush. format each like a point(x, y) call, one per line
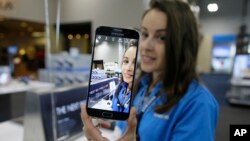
point(20, 27)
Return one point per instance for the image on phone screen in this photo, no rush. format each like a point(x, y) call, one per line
point(112, 73)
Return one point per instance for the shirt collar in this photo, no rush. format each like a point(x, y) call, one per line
point(145, 83)
point(145, 80)
point(124, 85)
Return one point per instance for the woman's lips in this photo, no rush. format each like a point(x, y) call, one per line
point(147, 59)
point(128, 75)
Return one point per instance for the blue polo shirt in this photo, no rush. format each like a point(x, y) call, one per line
point(193, 118)
point(121, 105)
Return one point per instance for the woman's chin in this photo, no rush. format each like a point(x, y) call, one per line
point(128, 81)
point(146, 68)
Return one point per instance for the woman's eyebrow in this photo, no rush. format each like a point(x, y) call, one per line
point(158, 30)
point(161, 30)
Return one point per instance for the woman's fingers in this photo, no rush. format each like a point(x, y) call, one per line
point(91, 132)
point(105, 124)
point(130, 134)
point(84, 115)
point(132, 121)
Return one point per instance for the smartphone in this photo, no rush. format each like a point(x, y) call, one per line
point(112, 73)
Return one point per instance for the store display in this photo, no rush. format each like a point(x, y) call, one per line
point(223, 52)
point(222, 60)
point(239, 92)
point(102, 90)
point(65, 69)
point(57, 120)
point(241, 68)
point(5, 75)
point(98, 75)
point(67, 109)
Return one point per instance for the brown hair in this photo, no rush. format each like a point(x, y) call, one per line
point(181, 48)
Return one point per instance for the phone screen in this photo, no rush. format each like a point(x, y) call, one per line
point(112, 73)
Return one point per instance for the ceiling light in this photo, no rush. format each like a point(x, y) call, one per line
point(70, 37)
point(97, 41)
point(212, 7)
point(17, 60)
point(23, 24)
point(37, 34)
point(22, 51)
point(86, 36)
point(78, 36)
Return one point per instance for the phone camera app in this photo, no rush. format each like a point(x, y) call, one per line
point(112, 74)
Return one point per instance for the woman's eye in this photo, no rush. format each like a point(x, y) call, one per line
point(161, 38)
point(125, 61)
point(144, 35)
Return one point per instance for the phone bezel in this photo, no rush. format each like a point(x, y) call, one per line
point(115, 32)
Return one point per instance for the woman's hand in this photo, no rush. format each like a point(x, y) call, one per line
point(93, 133)
point(130, 134)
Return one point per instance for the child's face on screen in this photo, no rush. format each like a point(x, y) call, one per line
point(128, 64)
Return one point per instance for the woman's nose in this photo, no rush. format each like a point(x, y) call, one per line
point(149, 43)
point(130, 67)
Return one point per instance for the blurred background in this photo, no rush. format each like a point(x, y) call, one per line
point(45, 54)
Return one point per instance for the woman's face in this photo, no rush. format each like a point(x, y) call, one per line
point(128, 64)
point(152, 42)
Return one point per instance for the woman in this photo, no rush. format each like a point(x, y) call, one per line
point(171, 104)
point(121, 98)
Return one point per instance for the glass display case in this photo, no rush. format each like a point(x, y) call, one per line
point(223, 52)
point(239, 92)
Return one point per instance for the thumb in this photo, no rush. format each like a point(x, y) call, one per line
point(132, 121)
point(130, 134)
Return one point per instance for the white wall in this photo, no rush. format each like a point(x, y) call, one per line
point(222, 25)
point(109, 52)
point(31, 10)
point(123, 13)
point(119, 13)
point(204, 55)
point(226, 20)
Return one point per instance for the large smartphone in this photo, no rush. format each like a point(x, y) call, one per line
point(112, 73)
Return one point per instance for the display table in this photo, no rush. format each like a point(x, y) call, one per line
point(101, 89)
point(37, 122)
point(239, 92)
point(16, 86)
point(12, 97)
point(12, 131)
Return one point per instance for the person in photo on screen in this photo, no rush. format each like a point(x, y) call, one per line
point(170, 103)
point(122, 95)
